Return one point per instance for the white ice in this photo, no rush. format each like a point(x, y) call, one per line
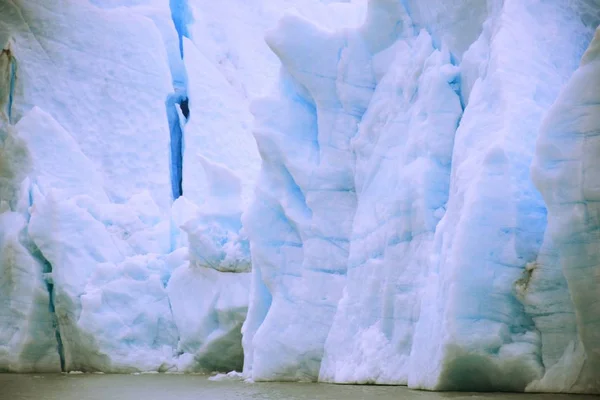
point(396, 179)
point(564, 170)
point(89, 235)
point(356, 195)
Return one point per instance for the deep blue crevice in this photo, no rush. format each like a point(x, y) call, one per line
point(181, 15)
point(177, 140)
point(185, 108)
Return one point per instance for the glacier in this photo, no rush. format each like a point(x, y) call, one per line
point(361, 192)
point(397, 236)
point(91, 229)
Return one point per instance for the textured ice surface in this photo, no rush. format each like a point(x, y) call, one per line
point(218, 128)
point(108, 92)
point(404, 149)
point(215, 232)
point(89, 238)
point(209, 308)
point(395, 234)
point(396, 179)
point(564, 170)
point(228, 64)
point(299, 244)
point(27, 341)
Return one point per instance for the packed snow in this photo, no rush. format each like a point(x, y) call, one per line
point(363, 191)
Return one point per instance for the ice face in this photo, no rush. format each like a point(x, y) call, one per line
point(425, 121)
point(404, 150)
point(228, 64)
point(382, 225)
point(566, 154)
point(89, 159)
point(27, 336)
point(299, 246)
point(209, 308)
point(108, 94)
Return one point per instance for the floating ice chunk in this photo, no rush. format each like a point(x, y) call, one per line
point(230, 376)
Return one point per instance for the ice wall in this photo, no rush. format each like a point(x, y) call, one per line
point(29, 345)
point(89, 237)
point(299, 246)
point(397, 236)
point(228, 64)
point(126, 161)
point(108, 94)
point(564, 171)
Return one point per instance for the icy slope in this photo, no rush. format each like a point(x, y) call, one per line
point(396, 225)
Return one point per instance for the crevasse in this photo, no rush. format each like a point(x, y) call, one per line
point(177, 103)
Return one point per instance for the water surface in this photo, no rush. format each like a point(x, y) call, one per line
point(194, 387)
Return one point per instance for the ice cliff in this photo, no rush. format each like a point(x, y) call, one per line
point(397, 235)
point(97, 126)
point(126, 161)
point(382, 191)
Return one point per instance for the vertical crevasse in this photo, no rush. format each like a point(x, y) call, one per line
point(177, 103)
point(176, 131)
point(181, 15)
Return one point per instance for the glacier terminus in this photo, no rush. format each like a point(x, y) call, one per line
point(393, 192)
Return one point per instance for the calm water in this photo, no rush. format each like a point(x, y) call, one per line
point(187, 387)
